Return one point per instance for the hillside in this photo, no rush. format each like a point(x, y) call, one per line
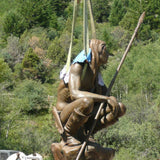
point(34, 43)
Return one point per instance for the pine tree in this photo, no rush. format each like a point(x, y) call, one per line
point(118, 11)
point(101, 10)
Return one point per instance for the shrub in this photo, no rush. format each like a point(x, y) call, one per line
point(33, 94)
point(5, 71)
point(5, 75)
point(13, 51)
point(57, 53)
point(14, 23)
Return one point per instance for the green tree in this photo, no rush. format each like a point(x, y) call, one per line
point(59, 7)
point(36, 68)
point(101, 10)
point(5, 71)
point(30, 64)
point(57, 53)
point(33, 94)
point(12, 54)
point(118, 10)
point(152, 9)
point(31, 59)
point(6, 5)
point(110, 42)
point(14, 23)
point(140, 71)
point(151, 19)
point(6, 76)
point(41, 12)
point(35, 12)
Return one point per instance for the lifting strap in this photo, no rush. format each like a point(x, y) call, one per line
point(85, 28)
point(73, 26)
point(93, 29)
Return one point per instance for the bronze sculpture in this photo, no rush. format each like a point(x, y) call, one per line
point(80, 92)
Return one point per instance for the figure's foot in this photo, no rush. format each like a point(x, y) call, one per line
point(91, 139)
point(71, 141)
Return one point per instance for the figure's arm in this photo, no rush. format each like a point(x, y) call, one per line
point(101, 89)
point(75, 86)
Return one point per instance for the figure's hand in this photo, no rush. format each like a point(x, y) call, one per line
point(112, 111)
point(112, 105)
point(112, 102)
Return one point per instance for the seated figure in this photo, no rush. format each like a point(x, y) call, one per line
point(80, 92)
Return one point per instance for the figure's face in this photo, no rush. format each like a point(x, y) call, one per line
point(103, 54)
point(99, 52)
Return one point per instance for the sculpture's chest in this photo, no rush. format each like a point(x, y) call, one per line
point(88, 79)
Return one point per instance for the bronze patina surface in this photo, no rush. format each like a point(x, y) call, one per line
point(78, 102)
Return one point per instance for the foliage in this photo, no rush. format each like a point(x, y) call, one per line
point(5, 71)
point(28, 14)
point(40, 12)
point(110, 42)
point(30, 64)
point(13, 51)
point(23, 132)
point(6, 75)
point(31, 59)
point(33, 94)
point(6, 5)
point(151, 8)
point(31, 10)
point(118, 10)
point(57, 53)
point(101, 10)
point(151, 20)
point(14, 23)
point(35, 67)
point(34, 43)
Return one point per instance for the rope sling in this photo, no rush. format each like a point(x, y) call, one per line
point(85, 28)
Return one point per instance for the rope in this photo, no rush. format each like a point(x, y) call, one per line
point(73, 26)
point(85, 28)
point(85, 25)
point(93, 29)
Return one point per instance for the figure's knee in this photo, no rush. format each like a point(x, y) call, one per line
point(122, 109)
point(86, 106)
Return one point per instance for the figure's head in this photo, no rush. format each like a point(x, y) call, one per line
point(99, 52)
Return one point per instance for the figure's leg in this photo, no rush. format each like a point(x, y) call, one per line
point(79, 112)
point(84, 105)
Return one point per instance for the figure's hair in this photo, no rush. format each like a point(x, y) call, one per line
point(96, 47)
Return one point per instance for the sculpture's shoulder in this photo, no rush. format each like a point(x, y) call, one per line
point(76, 69)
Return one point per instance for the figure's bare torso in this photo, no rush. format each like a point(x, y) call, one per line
point(87, 81)
point(83, 81)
